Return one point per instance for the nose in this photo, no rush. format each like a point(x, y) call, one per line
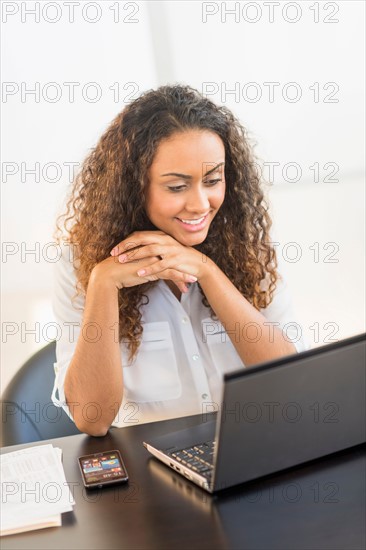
point(198, 201)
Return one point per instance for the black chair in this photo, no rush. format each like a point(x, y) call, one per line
point(27, 412)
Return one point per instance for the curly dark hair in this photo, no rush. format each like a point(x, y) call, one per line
point(107, 201)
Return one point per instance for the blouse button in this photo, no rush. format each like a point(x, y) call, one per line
point(184, 319)
point(195, 357)
point(204, 396)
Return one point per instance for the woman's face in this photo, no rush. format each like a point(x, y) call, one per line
point(186, 185)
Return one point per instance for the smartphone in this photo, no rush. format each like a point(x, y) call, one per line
point(101, 469)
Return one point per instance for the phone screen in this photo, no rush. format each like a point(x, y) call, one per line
point(103, 468)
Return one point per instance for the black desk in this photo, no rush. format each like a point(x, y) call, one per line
point(319, 505)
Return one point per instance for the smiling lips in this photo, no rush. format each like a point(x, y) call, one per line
point(194, 224)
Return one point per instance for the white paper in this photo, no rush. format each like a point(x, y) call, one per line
point(33, 487)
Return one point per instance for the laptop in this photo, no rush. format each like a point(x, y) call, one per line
point(273, 416)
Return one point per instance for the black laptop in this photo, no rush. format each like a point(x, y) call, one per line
point(273, 416)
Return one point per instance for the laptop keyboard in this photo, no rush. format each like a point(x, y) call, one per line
point(198, 458)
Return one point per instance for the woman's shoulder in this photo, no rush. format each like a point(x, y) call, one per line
point(65, 271)
point(67, 261)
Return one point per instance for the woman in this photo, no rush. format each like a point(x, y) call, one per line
point(177, 279)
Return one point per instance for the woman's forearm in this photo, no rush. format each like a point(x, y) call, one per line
point(93, 384)
point(254, 340)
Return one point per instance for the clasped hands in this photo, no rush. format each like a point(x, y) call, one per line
point(160, 256)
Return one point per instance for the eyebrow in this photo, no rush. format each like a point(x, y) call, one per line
point(186, 177)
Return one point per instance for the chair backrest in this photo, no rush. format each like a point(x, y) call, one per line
point(27, 412)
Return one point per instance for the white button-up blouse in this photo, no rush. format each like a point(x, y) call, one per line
point(183, 354)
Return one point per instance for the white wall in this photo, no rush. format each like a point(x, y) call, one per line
point(170, 43)
point(36, 130)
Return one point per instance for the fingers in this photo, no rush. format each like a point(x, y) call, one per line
point(150, 261)
point(151, 274)
point(181, 286)
point(143, 245)
point(141, 252)
point(138, 239)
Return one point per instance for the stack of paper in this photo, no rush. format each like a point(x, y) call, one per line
point(34, 490)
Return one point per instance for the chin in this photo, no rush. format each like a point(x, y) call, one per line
point(193, 240)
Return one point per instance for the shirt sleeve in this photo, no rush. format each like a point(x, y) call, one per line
point(68, 310)
point(281, 312)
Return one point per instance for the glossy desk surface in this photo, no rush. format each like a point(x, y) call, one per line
point(318, 505)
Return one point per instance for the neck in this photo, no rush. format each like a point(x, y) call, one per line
point(177, 293)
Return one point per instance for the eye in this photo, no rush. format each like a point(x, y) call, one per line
point(212, 182)
point(176, 188)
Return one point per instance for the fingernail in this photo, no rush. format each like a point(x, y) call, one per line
point(192, 279)
point(122, 258)
point(113, 251)
point(141, 272)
